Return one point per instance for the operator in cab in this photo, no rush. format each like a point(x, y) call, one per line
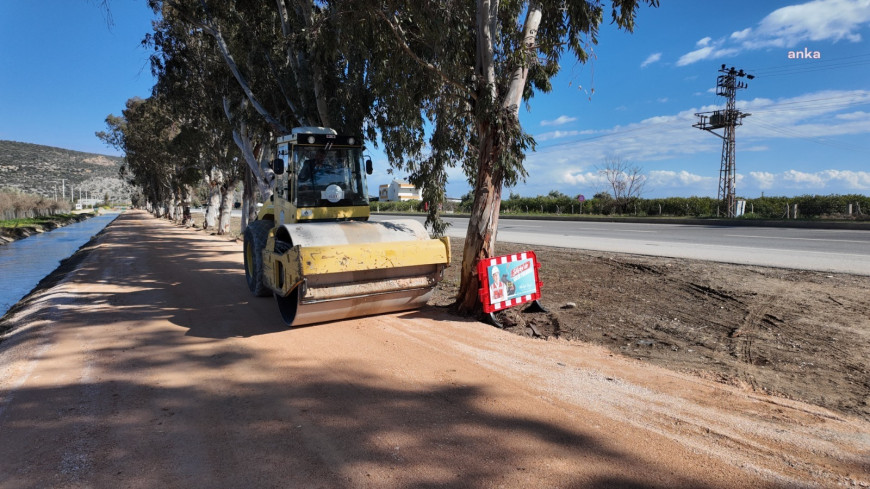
point(321, 169)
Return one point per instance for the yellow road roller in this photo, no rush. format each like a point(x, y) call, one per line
point(314, 248)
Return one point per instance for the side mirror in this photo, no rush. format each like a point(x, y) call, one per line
point(278, 166)
point(369, 168)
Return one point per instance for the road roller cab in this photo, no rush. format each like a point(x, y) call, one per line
point(314, 249)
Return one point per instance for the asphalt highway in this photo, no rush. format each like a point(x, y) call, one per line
point(841, 251)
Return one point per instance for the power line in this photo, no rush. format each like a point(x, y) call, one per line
point(817, 65)
point(780, 107)
point(816, 139)
point(619, 134)
point(829, 107)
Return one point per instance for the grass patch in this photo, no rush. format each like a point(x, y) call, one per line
point(35, 221)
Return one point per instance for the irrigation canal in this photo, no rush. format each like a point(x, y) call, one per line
point(25, 262)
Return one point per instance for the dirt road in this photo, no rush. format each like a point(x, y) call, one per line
point(151, 366)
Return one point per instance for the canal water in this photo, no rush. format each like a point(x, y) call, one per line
point(25, 262)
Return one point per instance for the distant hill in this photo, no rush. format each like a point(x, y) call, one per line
point(37, 169)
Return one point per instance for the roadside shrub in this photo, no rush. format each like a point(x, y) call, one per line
point(556, 203)
point(400, 206)
point(15, 205)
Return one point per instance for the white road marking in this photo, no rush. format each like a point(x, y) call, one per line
point(796, 239)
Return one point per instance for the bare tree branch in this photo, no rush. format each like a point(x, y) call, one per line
point(246, 146)
point(625, 181)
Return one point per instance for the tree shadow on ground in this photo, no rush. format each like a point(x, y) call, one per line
point(155, 407)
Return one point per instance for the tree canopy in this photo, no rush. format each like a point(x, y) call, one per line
point(439, 83)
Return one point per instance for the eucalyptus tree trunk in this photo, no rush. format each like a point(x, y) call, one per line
point(480, 236)
point(186, 218)
point(227, 200)
point(212, 209)
point(178, 207)
point(250, 151)
point(246, 198)
point(171, 207)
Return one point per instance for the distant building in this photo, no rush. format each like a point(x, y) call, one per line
point(398, 191)
point(90, 202)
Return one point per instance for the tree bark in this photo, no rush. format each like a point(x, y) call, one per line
point(243, 141)
point(248, 200)
point(480, 237)
point(214, 200)
point(173, 206)
point(521, 73)
point(186, 218)
point(227, 200)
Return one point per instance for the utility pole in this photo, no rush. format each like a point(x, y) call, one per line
point(728, 120)
point(63, 188)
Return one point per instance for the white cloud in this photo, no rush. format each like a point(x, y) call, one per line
point(668, 178)
point(818, 20)
point(803, 179)
point(763, 180)
point(854, 116)
point(814, 21)
point(710, 49)
point(671, 137)
point(740, 35)
point(547, 136)
point(696, 55)
point(652, 58)
point(578, 177)
point(562, 119)
point(811, 116)
point(812, 181)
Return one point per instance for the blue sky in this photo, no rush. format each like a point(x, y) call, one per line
point(62, 70)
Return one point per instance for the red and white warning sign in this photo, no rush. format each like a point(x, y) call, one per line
point(509, 280)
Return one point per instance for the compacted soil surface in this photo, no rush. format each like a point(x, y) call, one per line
point(149, 364)
point(797, 334)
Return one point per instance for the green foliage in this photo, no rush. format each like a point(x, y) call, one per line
point(553, 203)
point(160, 156)
point(466, 201)
point(678, 206)
point(398, 206)
point(809, 206)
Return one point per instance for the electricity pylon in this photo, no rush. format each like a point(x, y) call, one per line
point(728, 120)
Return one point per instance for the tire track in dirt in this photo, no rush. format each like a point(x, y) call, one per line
point(799, 334)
